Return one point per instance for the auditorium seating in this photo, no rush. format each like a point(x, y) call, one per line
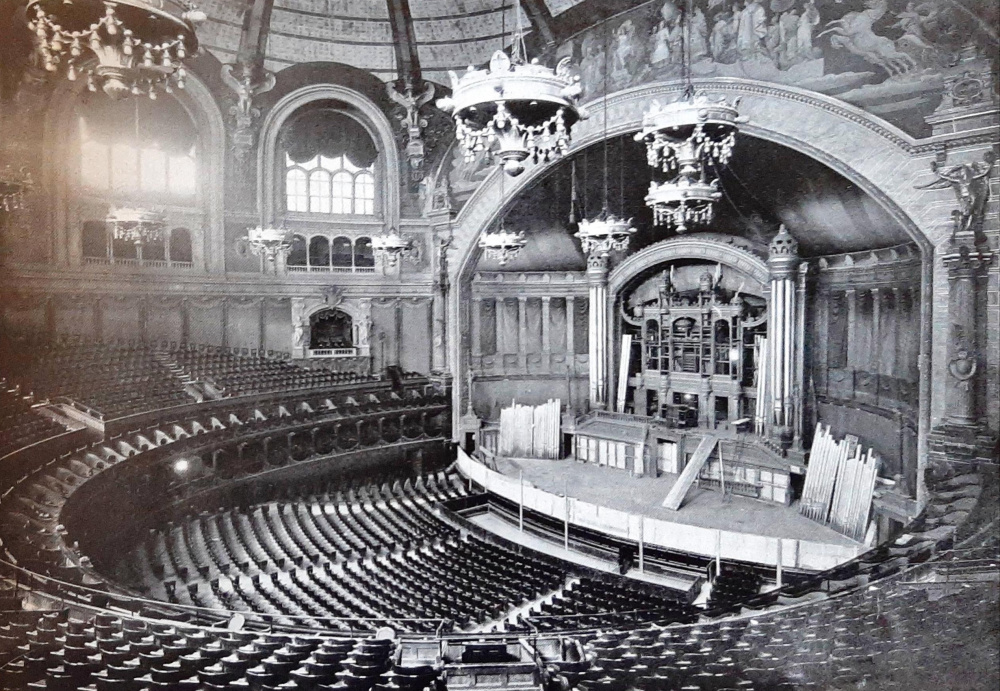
point(734, 585)
point(104, 652)
point(611, 603)
point(375, 553)
point(19, 425)
point(236, 375)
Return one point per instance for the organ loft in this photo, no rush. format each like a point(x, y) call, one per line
point(551, 345)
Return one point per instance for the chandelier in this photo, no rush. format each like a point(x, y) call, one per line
point(683, 202)
point(502, 245)
point(13, 185)
point(269, 242)
point(141, 226)
point(389, 247)
point(138, 45)
point(696, 127)
point(605, 233)
point(514, 109)
point(688, 140)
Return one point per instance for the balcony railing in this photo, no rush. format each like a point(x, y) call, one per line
point(331, 352)
point(131, 261)
point(332, 269)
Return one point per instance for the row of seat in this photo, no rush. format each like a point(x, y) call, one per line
point(19, 424)
point(107, 653)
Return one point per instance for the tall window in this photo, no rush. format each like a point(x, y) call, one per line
point(326, 185)
point(126, 169)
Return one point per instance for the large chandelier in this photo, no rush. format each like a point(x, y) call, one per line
point(268, 242)
point(138, 45)
point(604, 234)
point(696, 127)
point(13, 185)
point(389, 247)
point(683, 202)
point(502, 245)
point(141, 226)
point(514, 109)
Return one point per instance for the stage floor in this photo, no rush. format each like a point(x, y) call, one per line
point(617, 489)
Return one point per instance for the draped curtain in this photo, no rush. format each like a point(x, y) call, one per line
point(329, 133)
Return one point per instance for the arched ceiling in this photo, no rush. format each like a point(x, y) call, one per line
point(764, 185)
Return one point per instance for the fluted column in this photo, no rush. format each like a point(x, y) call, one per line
point(522, 331)
point(783, 261)
point(597, 278)
point(966, 265)
point(851, 296)
point(546, 328)
point(570, 332)
point(875, 359)
point(477, 327)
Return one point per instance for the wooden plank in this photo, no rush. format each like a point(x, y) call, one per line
point(690, 473)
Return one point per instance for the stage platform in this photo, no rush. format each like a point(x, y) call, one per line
point(617, 489)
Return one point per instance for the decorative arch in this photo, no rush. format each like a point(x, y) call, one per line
point(684, 247)
point(208, 231)
point(879, 158)
point(373, 120)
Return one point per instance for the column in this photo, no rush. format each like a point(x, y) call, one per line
point(547, 332)
point(225, 323)
point(597, 278)
point(851, 295)
point(783, 262)
point(522, 331)
point(262, 327)
point(477, 327)
point(875, 366)
point(966, 264)
point(799, 381)
point(570, 331)
point(439, 361)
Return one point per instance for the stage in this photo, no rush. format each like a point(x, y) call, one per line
point(617, 489)
point(614, 502)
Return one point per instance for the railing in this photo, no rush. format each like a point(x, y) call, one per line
point(331, 352)
point(128, 261)
point(331, 269)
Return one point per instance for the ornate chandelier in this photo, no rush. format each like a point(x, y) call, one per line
point(13, 185)
point(689, 140)
point(604, 234)
point(514, 109)
point(138, 45)
point(269, 242)
point(389, 247)
point(696, 127)
point(683, 202)
point(141, 226)
point(502, 245)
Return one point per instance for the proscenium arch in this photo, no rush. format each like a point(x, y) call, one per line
point(879, 158)
point(373, 120)
point(684, 247)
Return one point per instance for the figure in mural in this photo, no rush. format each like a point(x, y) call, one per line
point(773, 39)
point(853, 33)
point(661, 36)
point(789, 52)
point(592, 62)
point(751, 31)
point(723, 38)
point(804, 34)
point(623, 54)
point(699, 35)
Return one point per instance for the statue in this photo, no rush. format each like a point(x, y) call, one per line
point(413, 123)
point(247, 81)
point(970, 182)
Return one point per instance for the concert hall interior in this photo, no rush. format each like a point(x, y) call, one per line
point(554, 345)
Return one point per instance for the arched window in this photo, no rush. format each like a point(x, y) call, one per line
point(180, 245)
point(298, 254)
point(329, 162)
point(342, 253)
point(319, 252)
point(364, 257)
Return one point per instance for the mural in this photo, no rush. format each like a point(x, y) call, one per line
point(891, 57)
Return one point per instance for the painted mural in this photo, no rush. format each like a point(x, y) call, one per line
point(890, 57)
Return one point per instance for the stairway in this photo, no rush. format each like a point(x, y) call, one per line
point(690, 473)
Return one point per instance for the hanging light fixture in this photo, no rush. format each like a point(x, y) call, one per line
point(269, 242)
point(688, 140)
point(13, 186)
point(139, 45)
point(389, 247)
point(606, 232)
point(502, 245)
point(132, 224)
point(514, 109)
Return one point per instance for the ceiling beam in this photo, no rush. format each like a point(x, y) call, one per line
point(539, 15)
point(256, 27)
point(405, 42)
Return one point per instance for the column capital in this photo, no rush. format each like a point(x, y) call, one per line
point(597, 267)
point(783, 255)
point(967, 260)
